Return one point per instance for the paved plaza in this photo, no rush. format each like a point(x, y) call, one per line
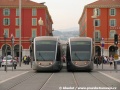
point(10, 74)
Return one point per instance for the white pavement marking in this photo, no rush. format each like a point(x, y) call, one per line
point(110, 76)
point(13, 77)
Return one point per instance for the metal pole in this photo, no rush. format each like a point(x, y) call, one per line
point(5, 54)
point(20, 33)
point(31, 52)
point(12, 40)
point(94, 38)
point(102, 57)
point(12, 52)
point(94, 44)
point(115, 62)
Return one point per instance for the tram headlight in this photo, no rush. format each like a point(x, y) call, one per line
point(76, 63)
point(86, 63)
point(50, 63)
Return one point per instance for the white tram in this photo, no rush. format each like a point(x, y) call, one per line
point(79, 54)
point(47, 54)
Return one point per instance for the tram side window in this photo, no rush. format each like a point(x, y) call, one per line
point(58, 53)
point(68, 53)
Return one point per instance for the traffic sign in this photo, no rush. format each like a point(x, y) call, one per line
point(102, 42)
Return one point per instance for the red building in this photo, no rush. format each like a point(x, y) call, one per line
point(105, 25)
point(30, 14)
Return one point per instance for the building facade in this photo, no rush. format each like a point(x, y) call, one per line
point(9, 25)
point(105, 25)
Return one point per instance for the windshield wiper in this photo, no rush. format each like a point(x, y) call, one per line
point(41, 56)
point(77, 56)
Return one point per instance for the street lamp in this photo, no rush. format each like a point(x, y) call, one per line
point(12, 40)
point(20, 7)
point(5, 36)
point(94, 17)
point(102, 44)
point(40, 22)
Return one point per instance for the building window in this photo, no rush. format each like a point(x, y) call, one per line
point(7, 32)
point(97, 22)
point(112, 12)
point(6, 12)
point(112, 22)
point(111, 34)
point(34, 21)
point(6, 21)
point(34, 12)
point(98, 11)
point(17, 33)
point(17, 21)
point(33, 32)
point(97, 35)
point(17, 11)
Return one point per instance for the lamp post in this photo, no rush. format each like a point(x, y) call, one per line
point(5, 36)
point(40, 22)
point(20, 7)
point(102, 44)
point(94, 17)
point(12, 40)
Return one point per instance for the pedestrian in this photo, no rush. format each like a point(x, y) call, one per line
point(28, 60)
point(25, 59)
point(111, 60)
point(96, 59)
point(104, 59)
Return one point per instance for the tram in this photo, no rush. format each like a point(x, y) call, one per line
point(47, 54)
point(79, 54)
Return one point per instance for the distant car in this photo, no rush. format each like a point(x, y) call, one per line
point(9, 61)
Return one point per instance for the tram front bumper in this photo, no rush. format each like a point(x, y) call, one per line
point(53, 67)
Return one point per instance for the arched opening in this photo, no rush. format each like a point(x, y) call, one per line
point(6, 49)
point(111, 50)
point(98, 50)
point(16, 50)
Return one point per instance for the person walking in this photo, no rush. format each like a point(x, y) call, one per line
point(25, 59)
point(28, 60)
point(111, 60)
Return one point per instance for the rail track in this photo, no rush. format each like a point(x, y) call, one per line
point(60, 81)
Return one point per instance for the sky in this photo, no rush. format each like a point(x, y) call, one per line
point(65, 13)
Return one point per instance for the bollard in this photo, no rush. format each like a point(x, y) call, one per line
point(115, 65)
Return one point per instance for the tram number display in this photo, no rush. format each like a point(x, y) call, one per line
point(81, 43)
point(45, 42)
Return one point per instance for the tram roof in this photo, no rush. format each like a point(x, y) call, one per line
point(47, 38)
point(80, 39)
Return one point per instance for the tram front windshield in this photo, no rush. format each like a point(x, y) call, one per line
point(80, 50)
point(45, 50)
